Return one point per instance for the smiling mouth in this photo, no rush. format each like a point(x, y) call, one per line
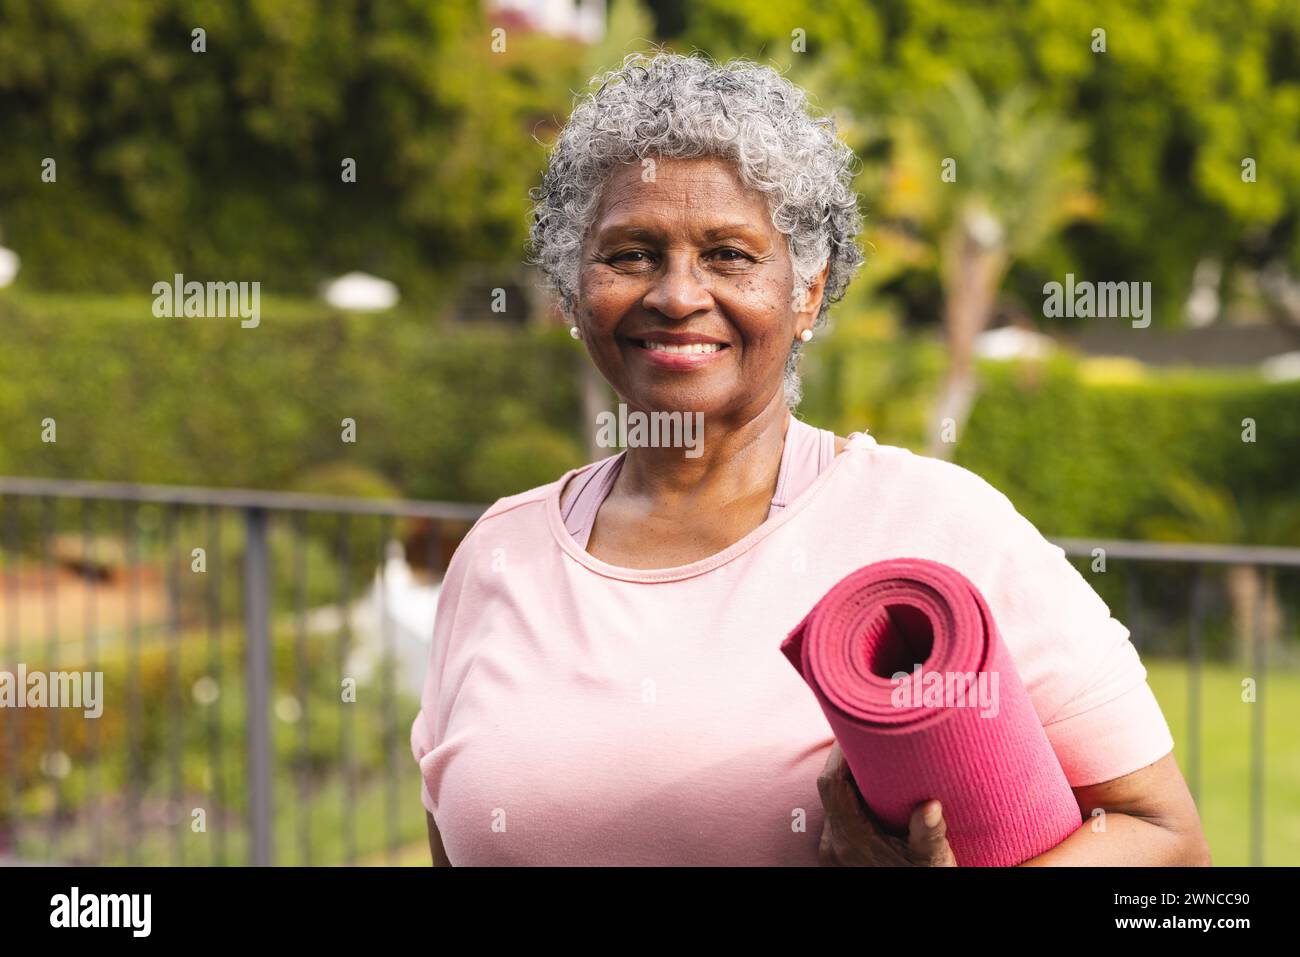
point(686, 349)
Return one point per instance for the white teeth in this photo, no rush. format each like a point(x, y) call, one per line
point(688, 349)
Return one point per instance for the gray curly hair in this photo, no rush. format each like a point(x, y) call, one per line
point(669, 105)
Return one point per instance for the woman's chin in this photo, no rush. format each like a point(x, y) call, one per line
point(706, 402)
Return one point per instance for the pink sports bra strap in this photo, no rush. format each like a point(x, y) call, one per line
point(597, 482)
point(808, 451)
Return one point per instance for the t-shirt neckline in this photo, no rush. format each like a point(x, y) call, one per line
point(700, 566)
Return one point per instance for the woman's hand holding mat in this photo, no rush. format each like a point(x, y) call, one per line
point(852, 837)
point(923, 698)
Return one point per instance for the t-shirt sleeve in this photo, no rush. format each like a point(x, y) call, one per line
point(1085, 677)
point(423, 742)
point(423, 735)
point(1114, 738)
point(426, 730)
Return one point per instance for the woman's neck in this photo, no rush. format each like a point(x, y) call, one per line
point(736, 461)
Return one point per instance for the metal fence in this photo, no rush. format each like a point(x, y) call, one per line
point(236, 741)
point(1199, 563)
point(131, 774)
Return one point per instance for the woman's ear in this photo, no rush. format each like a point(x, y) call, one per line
point(810, 303)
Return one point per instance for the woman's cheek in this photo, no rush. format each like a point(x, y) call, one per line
point(605, 301)
point(762, 315)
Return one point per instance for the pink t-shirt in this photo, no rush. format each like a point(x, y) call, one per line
point(576, 712)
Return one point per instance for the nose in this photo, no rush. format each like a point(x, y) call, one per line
point(678, 291)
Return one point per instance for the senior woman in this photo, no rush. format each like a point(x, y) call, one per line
point(604, 683)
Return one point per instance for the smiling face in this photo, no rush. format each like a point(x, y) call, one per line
point(685, 296)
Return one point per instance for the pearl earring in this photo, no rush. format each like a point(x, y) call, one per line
point(573, 331)
point(806, 335)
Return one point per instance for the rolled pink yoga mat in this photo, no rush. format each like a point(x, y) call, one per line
point(979, 748)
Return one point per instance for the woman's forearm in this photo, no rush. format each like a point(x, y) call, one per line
point(1126, 840)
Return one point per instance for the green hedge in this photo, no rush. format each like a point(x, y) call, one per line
point(1083, 452)
point(206, 402)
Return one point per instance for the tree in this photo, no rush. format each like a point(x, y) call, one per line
point(231, 162)
point(986, 183)
point(1173, 99)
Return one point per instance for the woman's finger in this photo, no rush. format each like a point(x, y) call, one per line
point(826, 848)
point(833, 774)
point(927, 836)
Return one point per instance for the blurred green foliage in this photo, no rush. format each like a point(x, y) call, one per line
point(204, 402)
point(1084, 447)
point(1184, 92)
point(860, 381)
point(1089, 453)
point(228, 163)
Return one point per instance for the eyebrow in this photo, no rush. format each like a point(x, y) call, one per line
point(731, 229)
point(634, 231)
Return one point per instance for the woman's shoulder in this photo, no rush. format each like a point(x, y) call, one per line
point(510, 522)
point(897, 456)
point(528, 505)
point(907, 478)
point(512, 508)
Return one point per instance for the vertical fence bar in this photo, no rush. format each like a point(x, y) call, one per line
point(1196, 614)
point(175, 813)
point(1135, 605)
point(435, 550)
point(53, 765)
point(258, 650)
point(392, 837)
point(345, 719)
point(1259, 665)
point(216, 751)
point(303, 686)
point(133, 696)
point(9, 824)
point(90, 561)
